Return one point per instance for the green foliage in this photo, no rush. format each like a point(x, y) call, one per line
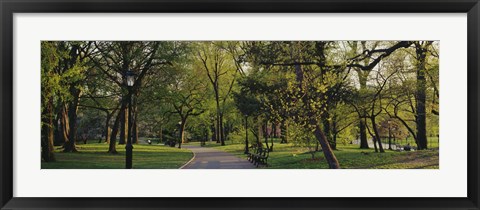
point(60, 68)
point(324, 86)
point(303, 138)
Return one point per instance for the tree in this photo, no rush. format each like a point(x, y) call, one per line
point(64, 69)
point(342, 117)
point(115, 59)
point(186, 95)
point(416, 82)
point(247, 103)
point(310, 77)
point(364, 62)
point(326, 90)
point(102, 95)
point(49, 62)
point(221, 73)
point(421, 50)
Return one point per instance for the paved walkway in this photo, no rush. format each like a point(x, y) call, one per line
point(209, 158)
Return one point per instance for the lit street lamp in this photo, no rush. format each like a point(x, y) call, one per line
point(130, 82)
point(179, 134)
point(179, 124)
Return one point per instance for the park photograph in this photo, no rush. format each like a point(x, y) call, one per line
point(234, 104)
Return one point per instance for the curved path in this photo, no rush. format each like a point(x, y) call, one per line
point(209, 158)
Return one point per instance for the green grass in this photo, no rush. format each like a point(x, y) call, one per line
point(95, 156)
point(287, 156)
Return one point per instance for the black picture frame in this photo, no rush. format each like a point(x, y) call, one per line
point(10, 7)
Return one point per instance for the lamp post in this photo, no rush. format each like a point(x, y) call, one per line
point(205, 137)
point(179, 134)
point(130, 82)
point(214, 135)
point(246, 134)
point(389, 135)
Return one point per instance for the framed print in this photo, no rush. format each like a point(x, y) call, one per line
point(239, 105)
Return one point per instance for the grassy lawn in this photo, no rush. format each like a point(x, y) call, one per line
point(95, 156)
point(287, 156)
point(432, 142)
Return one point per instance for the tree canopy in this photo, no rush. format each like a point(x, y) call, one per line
point(312, 93)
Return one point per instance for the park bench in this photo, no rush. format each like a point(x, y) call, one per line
point(398, 147)
point(407, 148)
point(253, 150)
point(258, 156)
point(170, 143)
point(262, 157)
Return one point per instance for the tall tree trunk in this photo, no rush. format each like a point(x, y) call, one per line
point(135, 132)
point(377, 135)
point(217, 129)
point(222, 129)
point(58, 132)
point(107, 140)
point(265, 134)
point(363, 134)
point(327, 151)
point(47, 133)
point(327, 130)
point(205, 133)
point(72, 117)
point(270, 149)
point(362, 77)
point(214, 132)
point(113, 137)
point(123, 125)
point(421, 50)
point(64, 126)
point(182, 132)
point(374, 139)
point(372, 135)
point(319, 135)
point(107, 127)
point(334, 132)
point(217, 104)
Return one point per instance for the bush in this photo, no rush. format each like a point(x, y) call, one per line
point(238, 137)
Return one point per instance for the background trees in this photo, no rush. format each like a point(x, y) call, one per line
point(220, 69)
point(186, 94)
point(64, 67)
point(332, 91)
